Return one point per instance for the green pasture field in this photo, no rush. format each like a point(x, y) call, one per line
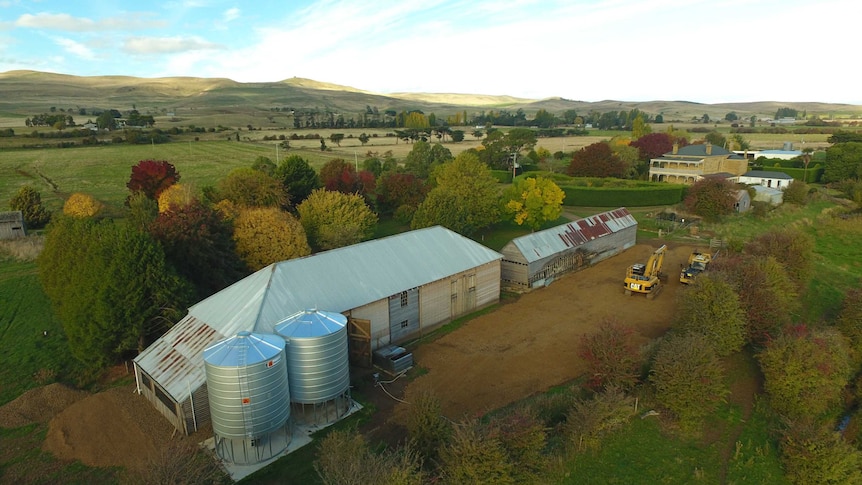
point(25, 316)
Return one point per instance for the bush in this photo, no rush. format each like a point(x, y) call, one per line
point(612, 356)
point(29, 201)
point(473, 456)
point(688, 378)
point(796, 193)
point(591, 420)
point(711, 307)
point(814, 454)
point(345, 459)
point(427, 428)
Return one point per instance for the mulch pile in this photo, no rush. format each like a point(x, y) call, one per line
point(39, 405)
point(116, 427)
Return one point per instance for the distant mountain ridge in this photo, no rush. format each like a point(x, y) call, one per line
point(28, 92)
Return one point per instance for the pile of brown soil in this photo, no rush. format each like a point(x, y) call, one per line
point(38, 405)
point(112, 428)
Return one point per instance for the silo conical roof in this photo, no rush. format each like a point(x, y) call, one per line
point(245, 348)
point(310, 324)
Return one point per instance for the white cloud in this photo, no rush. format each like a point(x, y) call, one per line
point(166, 45)
point(68, 23)
point(75, 48)
point(231, 14)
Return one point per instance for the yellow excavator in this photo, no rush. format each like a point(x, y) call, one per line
point(697, 264)
point(646, 278)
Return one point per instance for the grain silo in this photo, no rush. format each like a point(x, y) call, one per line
point(249, 397)
point(318, 365)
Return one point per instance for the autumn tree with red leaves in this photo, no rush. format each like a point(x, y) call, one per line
point(654, 145)
point(596, 160)
point(152, 177)
point(612, 356)
point(400, 189)
point(339, 176)
point(199, 243)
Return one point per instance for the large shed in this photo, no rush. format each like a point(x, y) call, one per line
point(12, 225)
point(391, 289)
point(536, 259)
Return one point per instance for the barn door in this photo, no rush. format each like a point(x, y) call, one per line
point(359, 341)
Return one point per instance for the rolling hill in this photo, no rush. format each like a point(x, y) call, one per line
point(23, 93)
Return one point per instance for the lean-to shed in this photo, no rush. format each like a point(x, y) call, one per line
point(391, 289)
point(534, 260)
point(12, 225)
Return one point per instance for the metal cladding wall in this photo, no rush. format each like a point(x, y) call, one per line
point(247, 385)
point(318, 361)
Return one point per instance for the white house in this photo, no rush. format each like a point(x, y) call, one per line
point(778, 180)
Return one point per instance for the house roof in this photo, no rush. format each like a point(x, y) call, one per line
point(767, 175)
point(337, 280)
point(795, 153)
point(12, 216)
point(766, 190)
point(718, 175)
point(542, 244)
point(699, 151)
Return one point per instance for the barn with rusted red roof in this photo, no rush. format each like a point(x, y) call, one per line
point(536, 259)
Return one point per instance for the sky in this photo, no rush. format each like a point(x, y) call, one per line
point(708, 51)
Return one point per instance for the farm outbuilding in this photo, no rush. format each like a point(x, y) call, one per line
point(12, 225)
point(390, 289)
point(536, 259)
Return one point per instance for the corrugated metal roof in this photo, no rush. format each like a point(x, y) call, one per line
point(542, 244)
point(765, 174)
point(336, 280)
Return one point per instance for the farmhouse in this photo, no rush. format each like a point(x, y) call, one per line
point(689, 164)
point(778, 180)
point(391, 289)
point(12, 225)
point(534, 260)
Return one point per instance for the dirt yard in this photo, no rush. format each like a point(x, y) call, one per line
point(523, 348)
point(529, 345)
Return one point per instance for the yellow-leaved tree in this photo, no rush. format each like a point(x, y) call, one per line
point(177, 195)
point(334, 219)
point(81, 205)
point(534, 201)
point(266, 235)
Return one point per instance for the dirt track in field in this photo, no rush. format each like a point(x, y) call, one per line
point(529, 345)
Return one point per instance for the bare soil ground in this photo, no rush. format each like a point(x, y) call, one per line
point(525, 347)
point(530, 344)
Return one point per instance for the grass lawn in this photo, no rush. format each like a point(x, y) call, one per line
point(29, 357)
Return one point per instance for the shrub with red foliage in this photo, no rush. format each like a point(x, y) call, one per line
point(654, 145)
point(400, 189)
point(152, 177)
point(612, 356)
point(339, 176)
point(596, 160)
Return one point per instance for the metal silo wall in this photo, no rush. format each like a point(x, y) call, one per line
point(263, 385)
point(319, 367)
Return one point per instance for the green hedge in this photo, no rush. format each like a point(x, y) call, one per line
point(502, 176)
point(664, 194)
point(812, 176)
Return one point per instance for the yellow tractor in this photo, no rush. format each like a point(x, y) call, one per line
point(646, 278)
point(697, 264)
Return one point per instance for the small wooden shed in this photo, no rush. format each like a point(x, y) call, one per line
point(12, 225)
point(536, 259)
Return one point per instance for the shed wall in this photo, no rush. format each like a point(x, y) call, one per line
point(378, 313)
point(541, 272)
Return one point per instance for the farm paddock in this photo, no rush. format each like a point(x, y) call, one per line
point(525, 347)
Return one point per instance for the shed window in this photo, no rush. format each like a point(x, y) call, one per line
point(471, 282)
point(403, 299)
point(405, 323)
